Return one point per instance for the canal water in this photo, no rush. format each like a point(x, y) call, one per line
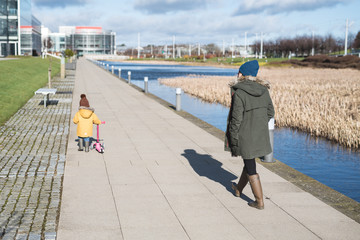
point(327, 162)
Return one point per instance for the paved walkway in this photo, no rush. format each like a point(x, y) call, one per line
point(32, 159)
point(162, 177)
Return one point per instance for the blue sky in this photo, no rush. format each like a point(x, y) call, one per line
point(202, 21)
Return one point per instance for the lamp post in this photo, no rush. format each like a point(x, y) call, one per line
point(173, 47)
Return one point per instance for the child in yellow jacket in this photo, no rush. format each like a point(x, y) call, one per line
point(85, 118)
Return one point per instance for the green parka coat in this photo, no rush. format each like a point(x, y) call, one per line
point(247, 133)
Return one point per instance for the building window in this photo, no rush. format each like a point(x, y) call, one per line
point(3, 27)
point(13, 27)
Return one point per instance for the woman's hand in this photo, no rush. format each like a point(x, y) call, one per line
point(233, 154)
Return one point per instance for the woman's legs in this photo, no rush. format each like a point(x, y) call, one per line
point(249, 169)
point(241, 184)
point(255, 183)
point(250, 166)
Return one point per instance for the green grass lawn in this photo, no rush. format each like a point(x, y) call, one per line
point(19, 79)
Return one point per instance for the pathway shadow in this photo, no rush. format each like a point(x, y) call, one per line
point(5, 227)
point(205, 165)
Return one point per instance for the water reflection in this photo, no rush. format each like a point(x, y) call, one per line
point(330, 164)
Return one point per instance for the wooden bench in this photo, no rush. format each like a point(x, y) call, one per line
point(46, 92)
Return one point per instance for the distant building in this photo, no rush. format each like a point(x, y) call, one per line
point(91, 40)
point(20, 31)
point(82, 40)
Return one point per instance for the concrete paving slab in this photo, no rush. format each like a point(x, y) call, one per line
point(116, 161)
point(90, 234)
point(137, 175)
point(150, 233)
point(164, 159)
point(202, 216)
point(218, 231)
point(150, 218)
point(184, 189)
point(349, 229)
point(275, 231)
point(204, 200)
point(99, 220)
point(137, 192)
point(172, 174)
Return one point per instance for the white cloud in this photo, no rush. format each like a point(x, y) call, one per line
point(61, 3)
point(52, 19)
point(207, 21)
point(283, 6)
point(197, 29)
point(165, 6)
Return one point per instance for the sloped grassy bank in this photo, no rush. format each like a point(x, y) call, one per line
point(19, 78)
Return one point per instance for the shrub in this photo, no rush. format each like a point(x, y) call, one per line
point(68, 53)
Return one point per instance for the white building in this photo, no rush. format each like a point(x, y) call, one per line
point(57, 40)
point(82, 40)
point(20, 32)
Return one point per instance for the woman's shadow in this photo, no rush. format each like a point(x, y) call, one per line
point(205, 165)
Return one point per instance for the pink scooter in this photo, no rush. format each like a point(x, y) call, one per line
point(100, 147)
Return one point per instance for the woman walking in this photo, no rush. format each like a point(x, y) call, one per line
point(247, 133)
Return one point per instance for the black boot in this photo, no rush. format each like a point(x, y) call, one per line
point(81, 144)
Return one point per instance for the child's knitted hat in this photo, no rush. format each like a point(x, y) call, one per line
point(83, 101)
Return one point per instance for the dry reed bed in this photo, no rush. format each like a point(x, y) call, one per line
point(323, 102)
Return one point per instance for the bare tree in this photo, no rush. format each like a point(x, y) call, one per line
point(330, 43)
point(356, 43)
point(212, 49)
point(47, 42)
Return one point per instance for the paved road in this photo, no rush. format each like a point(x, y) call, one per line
point(162, 177)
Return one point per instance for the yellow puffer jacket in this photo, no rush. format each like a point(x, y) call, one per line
point(85, 118)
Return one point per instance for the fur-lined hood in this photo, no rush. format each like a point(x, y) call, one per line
point(250, 78)
point(86, 112)
point(88, 108)
point(251, 85)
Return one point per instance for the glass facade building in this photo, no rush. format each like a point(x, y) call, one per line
point(81, 40)
point(89, 40)
point(20, 32)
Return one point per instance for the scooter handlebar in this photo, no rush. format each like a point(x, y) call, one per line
point(103, 122)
